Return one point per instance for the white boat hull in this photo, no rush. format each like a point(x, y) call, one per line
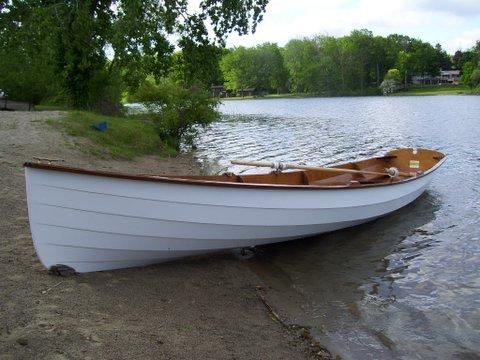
point(92, 223)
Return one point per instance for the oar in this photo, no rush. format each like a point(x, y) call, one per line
point(392, 172)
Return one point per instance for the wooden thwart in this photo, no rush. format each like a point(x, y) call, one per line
point(392, 172)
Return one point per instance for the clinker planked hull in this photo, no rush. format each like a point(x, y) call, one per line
point(94, 222)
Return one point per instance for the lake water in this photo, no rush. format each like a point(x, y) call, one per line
point(405, 286)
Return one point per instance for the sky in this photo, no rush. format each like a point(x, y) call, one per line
point(453, 24)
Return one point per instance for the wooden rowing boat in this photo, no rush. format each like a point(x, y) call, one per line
point(95, 220)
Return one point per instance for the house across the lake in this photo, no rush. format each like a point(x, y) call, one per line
point(247, 92)
point(423, 79)
point(445, 77)
point(218, 91)
point(449, 76)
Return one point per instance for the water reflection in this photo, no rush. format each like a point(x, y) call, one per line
point(332, 272)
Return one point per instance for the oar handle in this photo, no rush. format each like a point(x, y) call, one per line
point(253, 163)
point(392, 172)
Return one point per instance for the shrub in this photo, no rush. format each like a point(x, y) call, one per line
point(467, 71)
point(475, 78)
point(176, 111)
point(393, 74)
point(389, 86)
point(391, 82)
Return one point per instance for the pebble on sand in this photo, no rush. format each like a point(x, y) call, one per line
point(22, 341)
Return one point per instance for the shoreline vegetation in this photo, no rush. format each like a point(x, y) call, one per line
point(426, 90)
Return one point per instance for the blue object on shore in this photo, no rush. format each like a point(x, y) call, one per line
point(101, 126)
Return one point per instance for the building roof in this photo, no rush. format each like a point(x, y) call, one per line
point(449, 72)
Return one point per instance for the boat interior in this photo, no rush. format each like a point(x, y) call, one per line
point(410, 162)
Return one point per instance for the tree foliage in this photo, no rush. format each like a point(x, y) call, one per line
point(87, 45)
point(424, 59)
point(259, 67)
point(352, 64)
point(177, 111)
point(475, 78)
point(196, 65)
point(329, 65)
point(237, 68)
point(469, 62)
point(467, 71)
point(27, 61)
point(301, 57)
point(393, 74)
point(445, 62)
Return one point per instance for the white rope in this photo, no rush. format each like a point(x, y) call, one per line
point(278, 166)
point(392, 172)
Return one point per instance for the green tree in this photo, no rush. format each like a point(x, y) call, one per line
point(444, 60)
point(362, 46)
point(404, 65)
point(456, 59)
point(470, 61)
point(301, 61)
point(330, 56)
point(176, 111)
point(467, 72)
point(238, 68)
point(135, 34)
point(475, 78)
point(424, 59)
point(27, 62)
point(270, 66)
point(381, 59)
point(196, 64)
point(466, 57)
point(260, 67)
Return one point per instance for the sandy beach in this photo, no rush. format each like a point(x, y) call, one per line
point(208, 307)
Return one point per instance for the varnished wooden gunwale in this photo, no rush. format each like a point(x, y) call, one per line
point(434, 159)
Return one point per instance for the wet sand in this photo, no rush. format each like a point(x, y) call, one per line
point(206, 307)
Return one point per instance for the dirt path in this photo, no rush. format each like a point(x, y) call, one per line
point(193, 309)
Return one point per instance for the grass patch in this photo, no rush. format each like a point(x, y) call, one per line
point(419, 90)
point(366, 92)
point(269, 96)
point(126, 137)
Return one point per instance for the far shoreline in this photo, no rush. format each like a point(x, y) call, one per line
point(418, 90)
